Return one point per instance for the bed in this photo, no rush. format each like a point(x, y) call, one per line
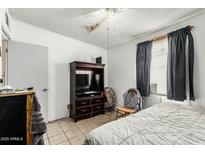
point(165, 123)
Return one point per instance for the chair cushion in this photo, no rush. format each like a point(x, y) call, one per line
point(126, 109)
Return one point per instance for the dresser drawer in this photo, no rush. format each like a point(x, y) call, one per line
point(97, 108)
point(83, 110)
point(97, 101)
point(82, 103)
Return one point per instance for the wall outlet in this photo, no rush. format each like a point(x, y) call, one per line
point(68, 106)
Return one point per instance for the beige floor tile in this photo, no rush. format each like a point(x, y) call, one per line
point(111, 115)
point(60, 131)
point(54, 132)
point(73, 133)
point(85, 128)
point(69, 127)
point(57, 139)
point(65, 143)
point(65, 122)
point(98, 125)
point(80, 123)
point(93, 125)
point(65, 119)
point(89, 120)
point(102, 119)
point(46, 142)
point(110, 112)
point(53, 125)
point(84, 125)
point(77, 140)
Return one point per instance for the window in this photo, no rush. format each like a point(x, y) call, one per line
point(158, 70)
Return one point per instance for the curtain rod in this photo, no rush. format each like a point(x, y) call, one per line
point(165, 35)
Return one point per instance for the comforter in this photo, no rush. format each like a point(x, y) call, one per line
point(165, 123)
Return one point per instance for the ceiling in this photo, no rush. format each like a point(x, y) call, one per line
point(124, 26)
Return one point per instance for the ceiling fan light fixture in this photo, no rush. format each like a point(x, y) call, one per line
point(102, 11)
point(121, 9)
point(110, 14)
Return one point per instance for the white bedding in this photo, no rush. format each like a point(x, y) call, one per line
point(165, 123)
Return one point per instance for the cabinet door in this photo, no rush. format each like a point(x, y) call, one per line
point(13, 120)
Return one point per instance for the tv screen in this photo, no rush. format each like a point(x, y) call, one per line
point(83, 82)
point(95, 84)
point(87, 82)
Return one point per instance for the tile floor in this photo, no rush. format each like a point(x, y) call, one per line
point(67, 132)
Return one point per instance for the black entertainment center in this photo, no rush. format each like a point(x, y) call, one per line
point(86, 90)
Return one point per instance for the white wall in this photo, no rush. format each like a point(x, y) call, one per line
point(62, 51)
point(122, 73)
point(122, 70)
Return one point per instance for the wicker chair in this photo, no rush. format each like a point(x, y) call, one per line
point(126, 110)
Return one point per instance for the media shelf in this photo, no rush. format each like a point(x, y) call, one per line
point(88, 93)
point(88, 103)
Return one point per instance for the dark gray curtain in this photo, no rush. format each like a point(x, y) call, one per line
point(176, 64)
point(143, 67)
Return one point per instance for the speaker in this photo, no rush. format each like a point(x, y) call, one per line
point(99, 60)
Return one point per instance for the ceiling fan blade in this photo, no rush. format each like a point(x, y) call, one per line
point(94, 26)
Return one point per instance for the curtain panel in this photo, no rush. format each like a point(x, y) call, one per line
point(143, 61)
point(180, 45)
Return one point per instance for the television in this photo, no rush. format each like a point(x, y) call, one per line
point(87, 82)
point(95, 82)
point(83, 82)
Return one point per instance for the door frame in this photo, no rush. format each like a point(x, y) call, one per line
point(4, 55)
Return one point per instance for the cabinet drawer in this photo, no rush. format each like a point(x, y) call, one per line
point(97, 101)
point(82, 103)
point(83, 110)
point(99, 107)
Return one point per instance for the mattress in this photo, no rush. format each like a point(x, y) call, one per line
point(162, 124)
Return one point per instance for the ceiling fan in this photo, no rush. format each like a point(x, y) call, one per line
point(108, 13)
point(104, 13)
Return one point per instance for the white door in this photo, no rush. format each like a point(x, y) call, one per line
point(28, 67)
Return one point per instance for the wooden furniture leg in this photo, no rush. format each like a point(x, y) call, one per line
point(116, 114)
